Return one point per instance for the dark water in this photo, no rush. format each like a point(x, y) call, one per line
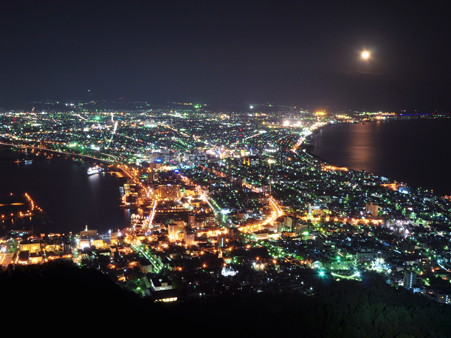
point(69, 197)
point(416, 152)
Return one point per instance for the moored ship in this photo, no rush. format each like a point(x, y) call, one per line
point(94, 170)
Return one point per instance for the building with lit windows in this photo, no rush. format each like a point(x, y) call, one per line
point(409, 279)
point(31, 247)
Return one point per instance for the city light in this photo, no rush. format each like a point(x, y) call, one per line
point(210, 186)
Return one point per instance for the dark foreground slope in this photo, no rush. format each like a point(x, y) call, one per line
point(61, 293)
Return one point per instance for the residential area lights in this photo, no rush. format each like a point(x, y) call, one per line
point(213, 192)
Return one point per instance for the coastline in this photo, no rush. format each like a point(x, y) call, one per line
point(430, 177)
point(19, 147)
point(321, 159)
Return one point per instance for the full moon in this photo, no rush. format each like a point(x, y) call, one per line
point(365, 55)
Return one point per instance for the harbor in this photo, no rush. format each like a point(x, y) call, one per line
point(62, 188)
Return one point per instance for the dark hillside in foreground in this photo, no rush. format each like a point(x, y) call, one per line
point(61, 291)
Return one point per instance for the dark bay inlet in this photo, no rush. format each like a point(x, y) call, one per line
point(61, 187)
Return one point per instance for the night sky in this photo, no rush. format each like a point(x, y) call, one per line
point(305, 53)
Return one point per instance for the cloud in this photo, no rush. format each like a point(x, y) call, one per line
point(352, 72)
